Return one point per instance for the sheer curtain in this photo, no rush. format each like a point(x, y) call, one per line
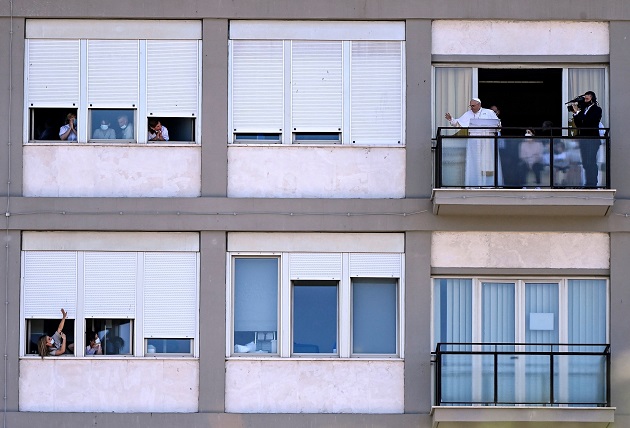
point(590, 79)
point(452, 322)
point(453, 90)
point(587, 325)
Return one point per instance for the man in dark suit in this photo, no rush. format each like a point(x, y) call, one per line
point(586, 118)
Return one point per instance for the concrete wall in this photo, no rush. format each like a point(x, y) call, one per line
point(108, 385)
point(109, 171)
point(311, 386)
point(316, 172)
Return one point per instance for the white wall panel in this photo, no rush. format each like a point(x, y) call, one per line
point(114, 385)
point(326, 172)
point(314, 386)
point(453, 37)
point(317, 242)
point(520, 250)
point(108, 171)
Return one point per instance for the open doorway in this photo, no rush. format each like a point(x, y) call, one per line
point(526, 97)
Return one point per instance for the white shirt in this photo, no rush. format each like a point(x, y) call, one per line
point(164, 134)
point(464, 120)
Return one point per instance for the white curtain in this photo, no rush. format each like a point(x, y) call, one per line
point(587, 325)
point(590, 79)
point(453, 90)
point(453, 323)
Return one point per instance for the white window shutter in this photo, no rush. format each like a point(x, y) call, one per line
point(110, 284)
point(257, 86)
point(317, 86)
point(53, 73)
point(376, 96)
point(375, 265)
point(315, 266)
point(170, 295)
point(50, 283)
point(172, 77)
point(113, 73)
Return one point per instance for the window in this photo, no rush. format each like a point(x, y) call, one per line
point(113, 87)
point(306, 84)
point(521, 315)
point(330, 304)
point(138, 303)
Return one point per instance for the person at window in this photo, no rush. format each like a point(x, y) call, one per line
point(475, 112)
point(104, 132)
point(126, 128)
point(157, 132)
point(94, 344)
point(531, 158)
point(586, 116)
point(68, 132)
point(57, 343)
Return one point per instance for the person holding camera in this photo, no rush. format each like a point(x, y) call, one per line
point(586, 116)
point(55, 344)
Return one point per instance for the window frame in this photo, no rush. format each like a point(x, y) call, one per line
point(283, 35)
point(138, 330)
point(344, 309)
point(520, 282)
point(142, 112)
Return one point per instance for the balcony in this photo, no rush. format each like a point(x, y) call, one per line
point(478, 172)
point(521, 383)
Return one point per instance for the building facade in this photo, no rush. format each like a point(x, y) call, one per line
point(301, 243)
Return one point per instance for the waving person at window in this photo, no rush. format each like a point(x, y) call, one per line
point(55, 344)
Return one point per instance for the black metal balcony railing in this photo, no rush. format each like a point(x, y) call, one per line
point(508, 374)
point(483, 157)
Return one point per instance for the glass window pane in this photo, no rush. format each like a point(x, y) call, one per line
point(452, 310)
point(374, 316)
point(255, 304)
point(168, 346)
point(36, 328)
point(315, 317)
point(112, 124)
point(116, 335)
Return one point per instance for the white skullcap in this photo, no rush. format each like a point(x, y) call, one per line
point(477, 99)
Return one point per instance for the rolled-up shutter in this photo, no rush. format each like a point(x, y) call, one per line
point(376, 96)
point(53, 73)
point(50, 283)
point(315, 266)
point(375, 265)
point(317, 86)
point(170, 295)
point(172, 77)
point(110, 284)
point(112, 73)
point(257, 86)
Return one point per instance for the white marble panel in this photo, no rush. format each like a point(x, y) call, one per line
point(316, 172)
point(520, 250)
point(458, 37)
point(108, 385)
point(86, 170)
point(307, 386)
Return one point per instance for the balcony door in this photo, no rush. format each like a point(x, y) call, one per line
point(506, 316)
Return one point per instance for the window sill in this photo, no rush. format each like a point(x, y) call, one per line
point(113, 143)
point(318, 145)
point(260, 357)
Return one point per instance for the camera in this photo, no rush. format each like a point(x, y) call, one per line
point(579, 99)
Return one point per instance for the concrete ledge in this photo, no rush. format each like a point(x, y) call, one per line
point(545, 202)
point(521, 417)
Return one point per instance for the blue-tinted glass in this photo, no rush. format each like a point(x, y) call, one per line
point(317, 136)
point(255, 304)
point(315, 317)
point(257, 137)
point(374, 316)
point(169, 346)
